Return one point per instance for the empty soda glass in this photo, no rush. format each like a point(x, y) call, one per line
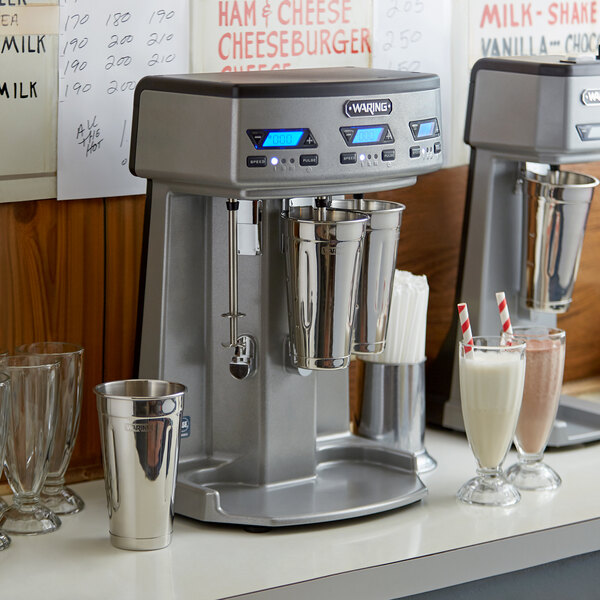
point(3, 504)
point(33, 386)
point(545, 359)
point(58, 498)
point(491, 389)
point(4, 413)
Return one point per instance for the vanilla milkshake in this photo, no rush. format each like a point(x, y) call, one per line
point(491, 376)
point(491, 387)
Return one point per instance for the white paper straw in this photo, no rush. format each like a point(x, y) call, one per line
point(407, 322)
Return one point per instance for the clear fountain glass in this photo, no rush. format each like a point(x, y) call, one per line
point(4, 416)
point(55, 495)
point(491, 389)
point(29, 442)
point(545, 360)
point(3, 504)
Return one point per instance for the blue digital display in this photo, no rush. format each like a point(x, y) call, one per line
point(289, 138)
point(367, 135)
point(426, 129)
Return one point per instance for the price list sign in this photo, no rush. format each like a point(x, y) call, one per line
point(104, 49)
point(415, 35)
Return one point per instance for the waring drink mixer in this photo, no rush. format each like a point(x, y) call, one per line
point(247, 174)
point(524, 217)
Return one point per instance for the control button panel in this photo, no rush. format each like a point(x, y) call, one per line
point(293, 152)
point(256, 161)
point(309, 160)
point(348, 158)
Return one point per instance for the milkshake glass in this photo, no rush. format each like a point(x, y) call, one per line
point(545, 359)
point(492, 376)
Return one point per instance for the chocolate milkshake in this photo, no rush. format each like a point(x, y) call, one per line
point(543, 379)
point(545, 358)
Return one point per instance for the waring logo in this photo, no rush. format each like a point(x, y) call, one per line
point(367, 108)
point(590, 97)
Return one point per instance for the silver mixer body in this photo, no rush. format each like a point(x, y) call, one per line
point(266, 443)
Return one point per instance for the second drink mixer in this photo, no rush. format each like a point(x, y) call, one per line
point(525, 218)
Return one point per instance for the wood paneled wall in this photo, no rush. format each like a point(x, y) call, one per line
point(69, 271)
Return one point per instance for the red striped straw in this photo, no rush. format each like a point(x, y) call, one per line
point(465, 325)
point(504, 316)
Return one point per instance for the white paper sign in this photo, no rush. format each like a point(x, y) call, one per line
point(105, 48)
point(28, 96)
point(254, 35)
point(532, 28)
point(415, 35)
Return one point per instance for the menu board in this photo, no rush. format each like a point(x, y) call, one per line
point(414, 35)
point(105, 48)
point(254, 35)
point(509, 28)
point(28, 92)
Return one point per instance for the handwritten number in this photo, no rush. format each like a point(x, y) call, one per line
point(75, 44)
point(78, 88)
point(115, 40)
point(75, 66)
point(156, 39)
point(161, 15)
point(118, 18)
point(75, 20)
point(156, 59)
point(408, 6)
point(113, 61)
point(114, 86)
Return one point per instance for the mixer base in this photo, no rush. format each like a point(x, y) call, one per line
point(354, 477)
point(577, 421)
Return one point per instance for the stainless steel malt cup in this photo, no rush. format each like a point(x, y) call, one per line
point(556, 208)
point(323, 260)
point(393, 409)
point(377, 272)
point(140, 422)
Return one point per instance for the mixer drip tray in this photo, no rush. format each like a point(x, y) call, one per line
point(577, 421)
point(354, 477)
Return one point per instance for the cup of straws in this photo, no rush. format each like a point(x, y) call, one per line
point(393, 409)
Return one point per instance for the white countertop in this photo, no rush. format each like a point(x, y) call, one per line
point(435, 543)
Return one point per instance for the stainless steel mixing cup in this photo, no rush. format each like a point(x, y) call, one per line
point(140, 422)
point(323, 260)
point(377, 273)
point(393, 409)
point(556, 208)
